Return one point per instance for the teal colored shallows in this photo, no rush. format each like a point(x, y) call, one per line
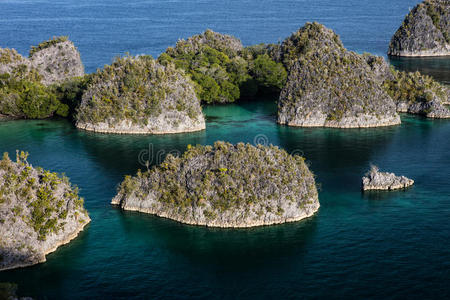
point(356, 244)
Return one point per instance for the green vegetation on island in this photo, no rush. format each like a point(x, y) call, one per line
point(40, 86)
point(330, 86)
point(222, 69)
point(139, 95)
point(224, 185)
point(47, 44)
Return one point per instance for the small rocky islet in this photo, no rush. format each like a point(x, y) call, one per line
point(224, 185)
point(39, 211)
point(425, 31)
point(376, 180)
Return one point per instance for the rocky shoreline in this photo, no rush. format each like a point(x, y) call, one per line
point(309, 212)
point(41, 258)
point(364, 121)
point(130, 129)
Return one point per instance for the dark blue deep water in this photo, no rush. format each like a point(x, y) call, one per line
point(373, 245)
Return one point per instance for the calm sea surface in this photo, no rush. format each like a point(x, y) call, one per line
point(373, 245)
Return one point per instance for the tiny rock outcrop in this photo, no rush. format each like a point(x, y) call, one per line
point(39, 211)
point(376, 180)
point(424, 32)
point(330, 86)
point(137, 95)
point(224, 185)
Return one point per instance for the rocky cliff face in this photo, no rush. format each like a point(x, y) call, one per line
point(330, 86)
point(224, 186)
point(55, 60)
point(39, 211)
point(424, 32)
point(376, 180)
point(140, 96)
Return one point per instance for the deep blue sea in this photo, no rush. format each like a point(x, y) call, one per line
point(385, 245)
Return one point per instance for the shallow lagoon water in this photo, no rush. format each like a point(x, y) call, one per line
point(367, 245)
point(372, 245)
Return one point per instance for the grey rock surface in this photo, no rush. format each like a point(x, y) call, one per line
point(376, 180)
point(39, 211)
point(330, 86)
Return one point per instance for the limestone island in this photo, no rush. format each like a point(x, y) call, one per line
point(224, 185)
point(28, 84)
point(137, 95)
point(39, 211)
point(376, 180)
point(424, 32)
point(330, 86)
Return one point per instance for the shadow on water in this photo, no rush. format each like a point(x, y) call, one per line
point(229, 248)
point(384, 195)
point(437, 67)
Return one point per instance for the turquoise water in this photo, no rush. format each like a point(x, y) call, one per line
point(373, 245)
point(379, 245)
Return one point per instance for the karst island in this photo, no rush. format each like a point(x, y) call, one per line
point(224, 185)
point(329, 86)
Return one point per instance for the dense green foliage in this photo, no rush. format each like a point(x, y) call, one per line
point(47, 44)
point(216, 75)
point(23, 95)
point(222, 69)
point(413, 87)
point(69, 93)
point(40, 201)
point(268, 73)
